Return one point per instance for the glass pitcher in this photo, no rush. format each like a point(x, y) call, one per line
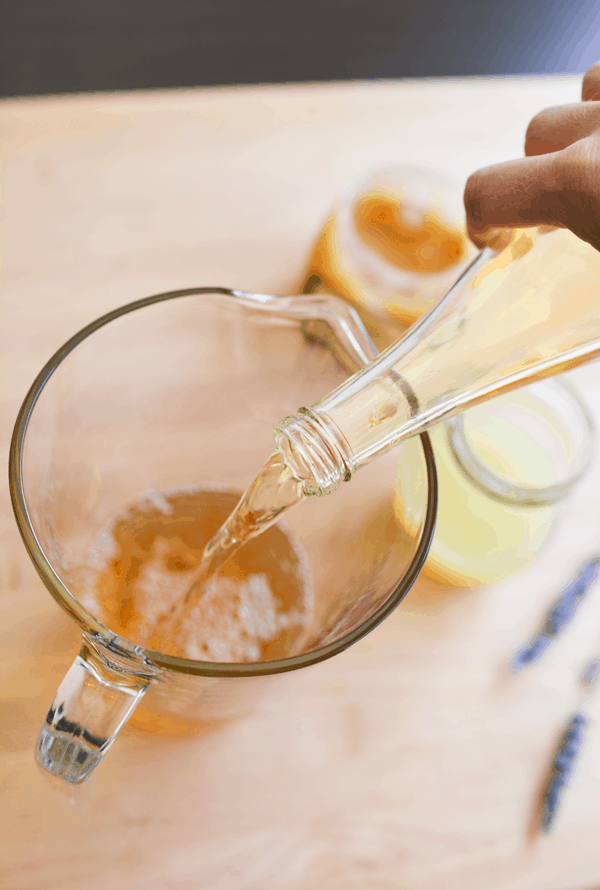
point(167, 393)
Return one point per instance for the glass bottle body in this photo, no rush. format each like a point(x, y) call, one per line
point(524, 312)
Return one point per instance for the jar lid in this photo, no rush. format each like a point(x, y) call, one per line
point(526, 447)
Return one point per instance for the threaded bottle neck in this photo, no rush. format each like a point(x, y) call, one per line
point(315, 450)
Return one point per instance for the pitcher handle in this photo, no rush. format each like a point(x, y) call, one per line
point(91, 707)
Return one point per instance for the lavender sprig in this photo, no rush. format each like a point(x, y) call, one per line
point(561, 769)
point(558, 616)
point(567, 752)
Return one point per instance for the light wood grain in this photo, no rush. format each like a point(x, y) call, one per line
point(412, 760)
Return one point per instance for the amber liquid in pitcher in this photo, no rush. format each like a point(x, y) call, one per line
point(256, 605)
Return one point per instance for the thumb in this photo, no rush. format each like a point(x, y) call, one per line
point(516, 193)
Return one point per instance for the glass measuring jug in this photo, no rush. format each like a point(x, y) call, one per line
point(165, 394)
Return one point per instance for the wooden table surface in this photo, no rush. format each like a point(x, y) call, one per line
point(412, 760)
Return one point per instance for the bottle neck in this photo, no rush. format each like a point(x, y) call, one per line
point(324, 445)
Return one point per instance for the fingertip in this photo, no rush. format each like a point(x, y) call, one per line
point(496, 237)
point(590, 88)
point(517, 193)
point(472, 201)
point(476, 237)
point(499, 238)
point(536, 135)
point(479, 197)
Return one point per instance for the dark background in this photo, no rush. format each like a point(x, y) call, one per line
point(53, 46)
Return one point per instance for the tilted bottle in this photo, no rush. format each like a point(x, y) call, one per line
point(523, 312)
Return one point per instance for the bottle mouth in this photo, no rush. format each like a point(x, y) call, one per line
point(315, 450)
point(528, 447)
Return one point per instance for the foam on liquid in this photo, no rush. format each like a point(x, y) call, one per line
point(155, 584)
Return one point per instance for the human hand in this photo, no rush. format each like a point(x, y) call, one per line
point(557, 183)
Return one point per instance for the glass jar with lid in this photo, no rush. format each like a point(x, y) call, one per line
point(393, 245)
point(506, 471)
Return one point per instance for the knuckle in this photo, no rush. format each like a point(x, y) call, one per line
point(540, 122)
point(576, 185)
point(590, 89)
point(538, 136)
point(555, 128)
point(566, 172)
point(572, 167)
point(593, 69)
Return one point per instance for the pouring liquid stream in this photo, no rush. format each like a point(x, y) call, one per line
point(274, 491)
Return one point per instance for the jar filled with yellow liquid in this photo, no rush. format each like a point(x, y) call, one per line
point(393, 245)
point(506, 469)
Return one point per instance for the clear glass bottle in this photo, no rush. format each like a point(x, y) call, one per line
point(524, 312)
